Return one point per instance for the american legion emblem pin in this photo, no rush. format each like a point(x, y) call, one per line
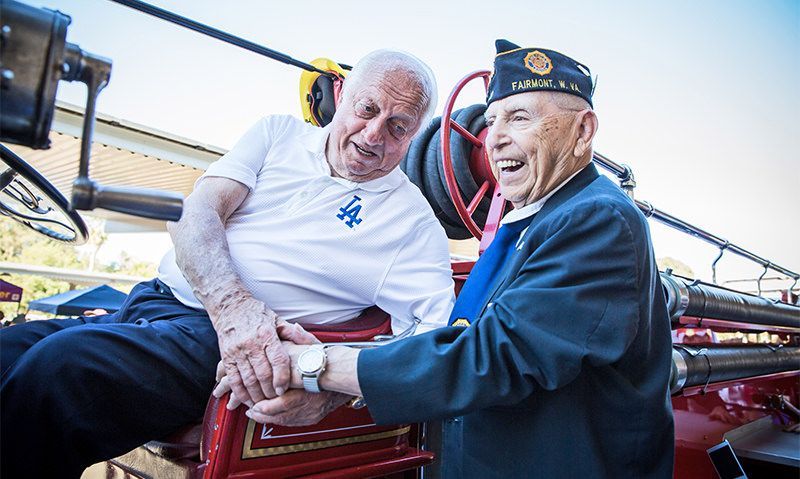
point(538, 63)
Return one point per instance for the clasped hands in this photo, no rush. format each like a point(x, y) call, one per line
point(257, 349)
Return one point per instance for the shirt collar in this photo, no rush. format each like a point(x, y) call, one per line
point(314, 141)
point(535, 207)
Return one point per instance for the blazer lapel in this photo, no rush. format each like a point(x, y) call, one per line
point(572, 188)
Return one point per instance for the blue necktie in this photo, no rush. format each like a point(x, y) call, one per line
point(486, 273)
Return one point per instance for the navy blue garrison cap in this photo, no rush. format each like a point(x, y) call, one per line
point(518, 70)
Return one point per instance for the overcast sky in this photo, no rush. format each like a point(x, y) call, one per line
point(699, 97)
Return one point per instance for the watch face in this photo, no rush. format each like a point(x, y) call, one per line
point(312, 360)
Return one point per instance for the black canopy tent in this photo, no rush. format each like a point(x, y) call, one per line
point(74, 303)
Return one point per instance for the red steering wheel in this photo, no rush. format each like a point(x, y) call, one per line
point(479, 166)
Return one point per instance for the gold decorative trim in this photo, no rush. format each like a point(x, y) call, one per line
point(248, 453)
point(511, 51)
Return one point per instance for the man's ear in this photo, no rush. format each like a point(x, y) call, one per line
point(587, 127)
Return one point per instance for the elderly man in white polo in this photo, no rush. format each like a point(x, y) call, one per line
point(296, 224)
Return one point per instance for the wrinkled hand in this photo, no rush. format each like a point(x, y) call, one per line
point(223, 387)
point(294, 333)
point(296, 408)
point(257, 367)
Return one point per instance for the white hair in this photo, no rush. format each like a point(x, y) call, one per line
point(386, 60)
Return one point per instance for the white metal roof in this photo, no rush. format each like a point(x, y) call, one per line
point(123, 154)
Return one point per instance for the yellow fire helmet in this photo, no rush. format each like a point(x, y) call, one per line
point(318, 93)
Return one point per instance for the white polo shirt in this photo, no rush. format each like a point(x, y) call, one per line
point(318, 249)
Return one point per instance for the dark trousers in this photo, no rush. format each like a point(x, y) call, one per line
point(78, 391)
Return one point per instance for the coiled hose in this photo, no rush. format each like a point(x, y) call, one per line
point(702, 300)
point(696, 365)
point(423, 166)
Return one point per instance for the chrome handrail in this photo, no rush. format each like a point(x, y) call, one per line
point(627, 183)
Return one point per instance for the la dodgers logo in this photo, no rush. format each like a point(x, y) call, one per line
point(351, 212)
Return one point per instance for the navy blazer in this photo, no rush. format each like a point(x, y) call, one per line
point(565, 373)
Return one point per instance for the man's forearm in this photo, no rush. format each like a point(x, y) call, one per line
point(201, 252)
point(341, 373)
point(341, 369)
point(246, 327)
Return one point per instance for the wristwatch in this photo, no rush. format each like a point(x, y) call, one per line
point(311, 365)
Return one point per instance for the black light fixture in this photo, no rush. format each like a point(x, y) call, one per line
point(34, 56)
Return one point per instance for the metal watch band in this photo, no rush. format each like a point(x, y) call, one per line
point(311, 384)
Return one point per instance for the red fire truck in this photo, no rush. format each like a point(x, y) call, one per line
point(734, 401)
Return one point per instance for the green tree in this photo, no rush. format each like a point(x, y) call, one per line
point(127, 265)
point(19, 244)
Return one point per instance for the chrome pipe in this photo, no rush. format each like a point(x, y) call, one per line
point(609, 165)
point(623, 172)
point(677, 295)
point(679, 372)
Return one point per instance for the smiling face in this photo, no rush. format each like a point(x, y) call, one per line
point(374, 124)
point(535, 143)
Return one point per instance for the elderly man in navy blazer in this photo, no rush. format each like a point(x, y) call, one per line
point(557, 360)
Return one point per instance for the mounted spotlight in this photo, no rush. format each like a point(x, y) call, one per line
point(34, 56)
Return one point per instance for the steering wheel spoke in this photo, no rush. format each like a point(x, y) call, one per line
point(465, 212)
point(473, 205)
point(466, 134)
point(29, 199)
